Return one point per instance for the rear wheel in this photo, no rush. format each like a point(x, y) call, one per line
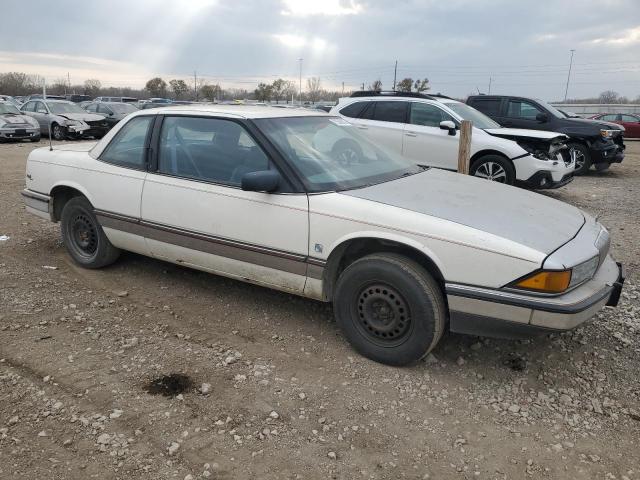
point(582, 157)
point(83, 236)
point(493, 168)
point(390, 308)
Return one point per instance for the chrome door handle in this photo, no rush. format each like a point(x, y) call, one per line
point(411, 134)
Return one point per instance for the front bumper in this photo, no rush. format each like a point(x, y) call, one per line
point(491, 312)
point(544, 180)
point(38, 203)
point(607, 152)
point(19, 133)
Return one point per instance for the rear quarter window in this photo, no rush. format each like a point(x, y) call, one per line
point(488, 106)
point(353, 110)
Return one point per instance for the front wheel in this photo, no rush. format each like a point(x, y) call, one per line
point(57, 132)
point(493, 168)
point(390, 309)
point(83, 236)
point(582, 157)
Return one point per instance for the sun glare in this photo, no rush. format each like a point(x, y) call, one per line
point(303, 8)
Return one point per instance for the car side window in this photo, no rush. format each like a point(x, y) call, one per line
point(628, 118)
point(612, 117)
point(208, 149)
point(92, 108)
point(488, 106)
point(29, 107)
point(128, 147)
point(394, 112)
point(103, 109)
point(40, 108)
point(427, 115)
point(354, 109)
point(522, 109)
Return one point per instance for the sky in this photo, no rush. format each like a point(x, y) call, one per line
point(521, 47)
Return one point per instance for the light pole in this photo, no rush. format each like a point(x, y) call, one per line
point(566, 90)
point(300, 90)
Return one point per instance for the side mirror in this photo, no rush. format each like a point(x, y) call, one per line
point(261, 181)
point(542, 117)
point(448, 125)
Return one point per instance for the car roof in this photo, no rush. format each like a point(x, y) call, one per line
point(241, 111)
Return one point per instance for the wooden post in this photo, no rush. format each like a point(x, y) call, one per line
point(464, 148)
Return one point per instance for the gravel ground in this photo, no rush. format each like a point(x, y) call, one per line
point(271, 390)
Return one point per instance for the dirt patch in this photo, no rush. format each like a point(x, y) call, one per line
point(169, 385)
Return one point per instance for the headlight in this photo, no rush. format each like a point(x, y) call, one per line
point(68, 123)
point(607, 133)
point(583, 272)
point(536, 152)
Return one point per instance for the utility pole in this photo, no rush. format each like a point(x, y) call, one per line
point(69, 81)
point(566, 90)
point(362, 85)
point(395, 72)
point(195, 84)
point(489, 85)
point(300, 90)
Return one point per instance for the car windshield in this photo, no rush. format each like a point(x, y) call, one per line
point(8, 108)
point(64, 107)
point(553, 110)
point(478, 118)
point(330, 155)
point(122, 107)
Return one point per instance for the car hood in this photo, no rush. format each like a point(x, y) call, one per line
point(85, 117)
point(521, 133)
point(16, 119)
point(528, 218)
point(590, 122)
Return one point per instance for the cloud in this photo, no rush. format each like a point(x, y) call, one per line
point(629, 37)
point(305, 8)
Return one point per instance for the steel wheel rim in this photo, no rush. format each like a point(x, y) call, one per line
point(491, 171)
point(84, 235)
point(383, 315)
point(57, 132)
point(578, 157)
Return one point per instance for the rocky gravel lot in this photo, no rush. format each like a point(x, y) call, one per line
point(265, 387)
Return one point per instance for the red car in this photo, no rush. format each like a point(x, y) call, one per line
point(629, 121)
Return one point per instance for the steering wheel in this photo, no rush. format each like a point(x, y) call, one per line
point(347, 152)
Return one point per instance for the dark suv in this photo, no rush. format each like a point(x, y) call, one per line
point(592, 142)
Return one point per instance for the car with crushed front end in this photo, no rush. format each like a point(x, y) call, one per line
point(591, 142)
point(112, 111)
point(14, 125)
point(63, 119)
point(424, 128)
point(261, 195)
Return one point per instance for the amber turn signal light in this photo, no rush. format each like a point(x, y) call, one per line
point(546, 281)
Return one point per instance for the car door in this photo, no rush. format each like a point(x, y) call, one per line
point(116, 181)
point(41, 114)
point(196, 214)
point(631, 124)
point(424, 142)
point(383, 122)
point(522, 114)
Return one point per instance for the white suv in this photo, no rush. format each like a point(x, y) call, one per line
point(423, 128)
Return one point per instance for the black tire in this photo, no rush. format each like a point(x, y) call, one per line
point(495, 168)
point(583, 156)
point(347, 152)
point(35, 139)
point(83, 236)
point(602, 166)
point(57, 132)
point(404, 294)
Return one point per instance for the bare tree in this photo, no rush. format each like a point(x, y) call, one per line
point(608, 96)
point(290, 90)
point(421, 85)
point(178, 87)
point(376, 86)
point(156, 87)
point(210, 92)
point(405, 85)
point(313, 89)
point(92, 87)
point(264, 92)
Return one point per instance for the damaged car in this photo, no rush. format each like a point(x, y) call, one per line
point(65, 119)
point(591, 142)
point(14, 125)
point(424, 129)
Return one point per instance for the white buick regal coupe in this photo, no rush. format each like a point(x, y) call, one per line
point(264, 195)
